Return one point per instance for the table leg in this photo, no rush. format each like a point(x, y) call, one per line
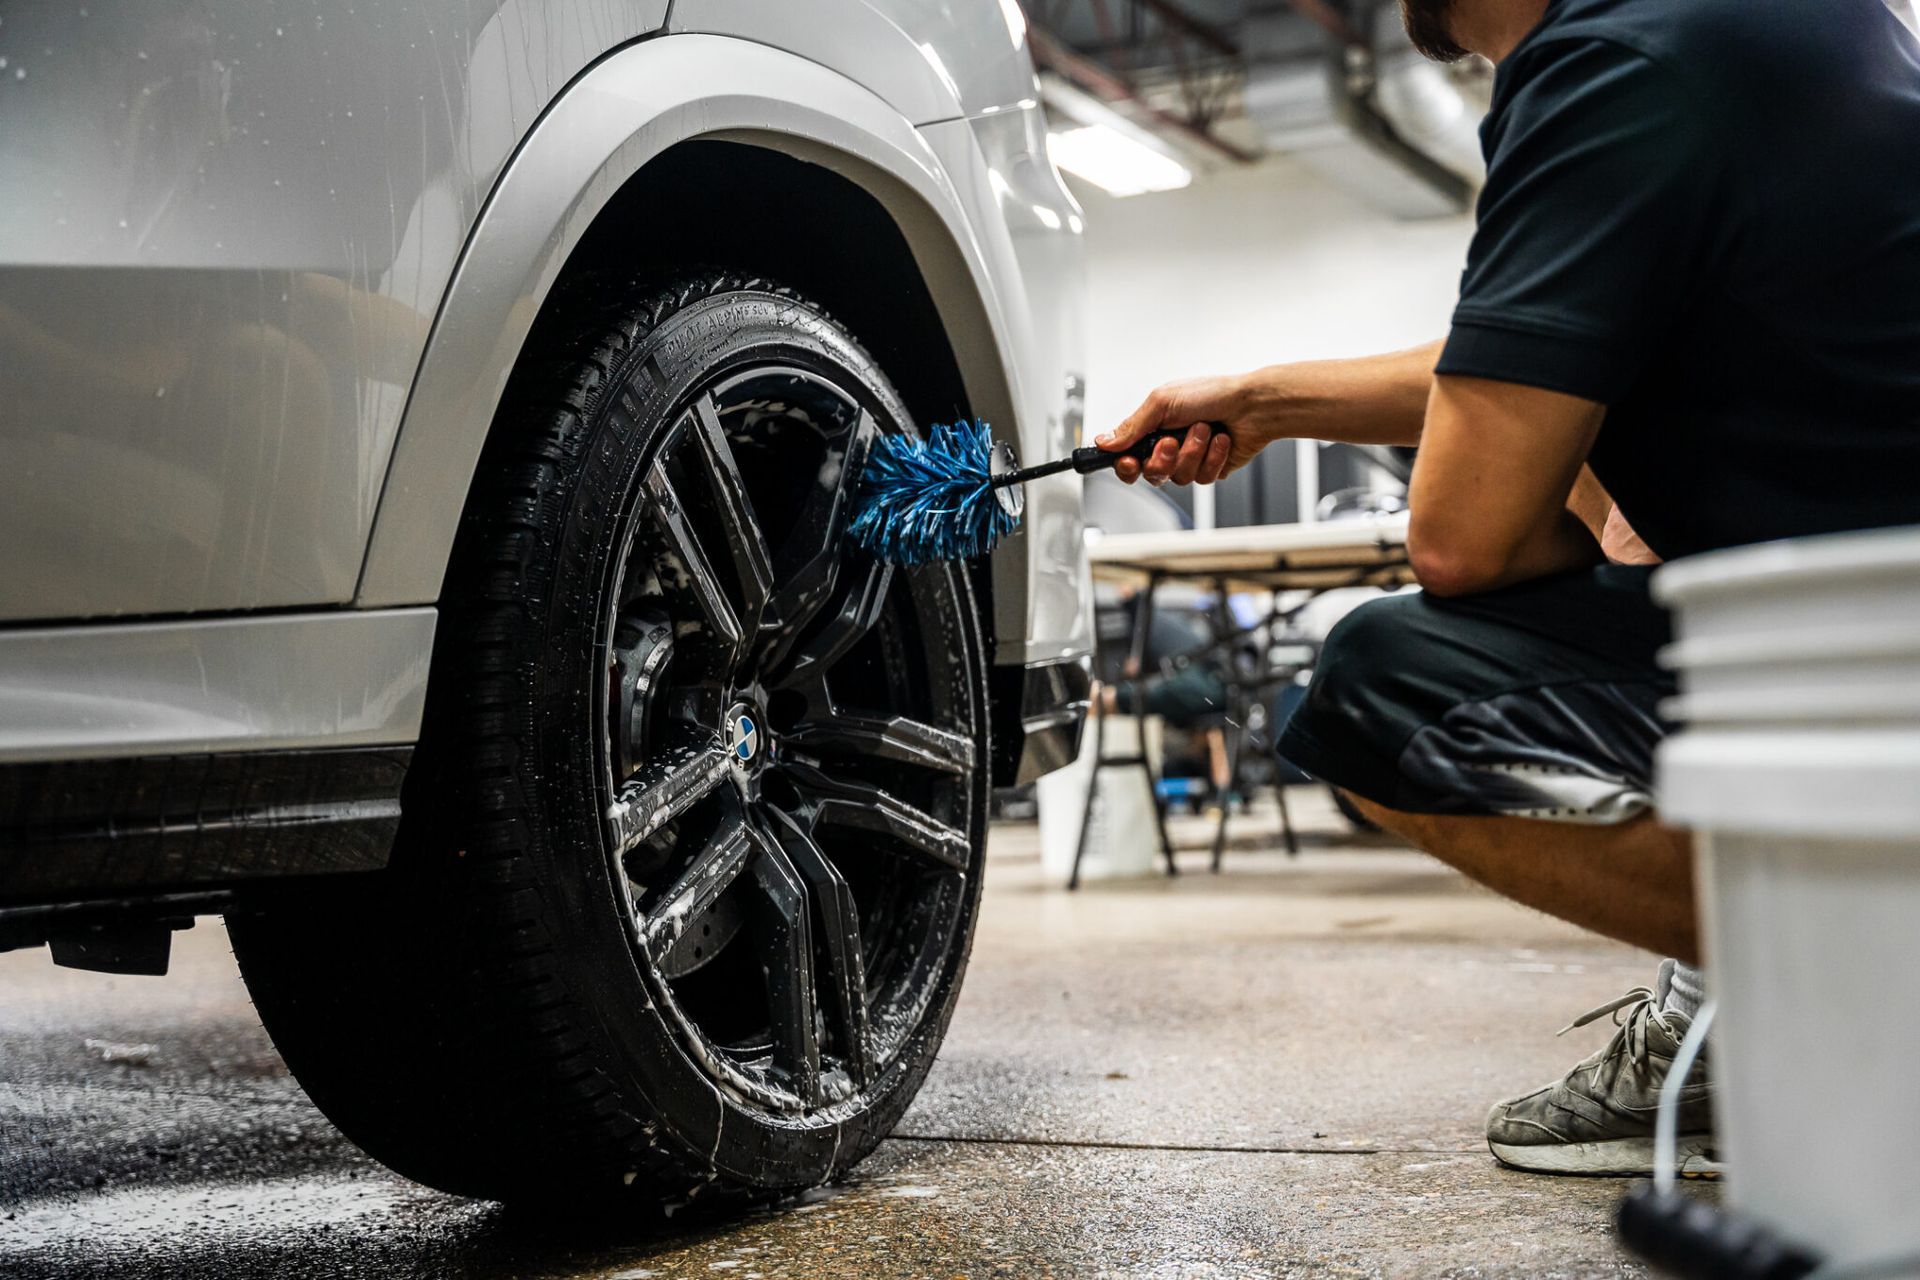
point(1235, 745)
point(1142, 626)
point(1093, 785)
point(1286, 822)
point(1236, 718)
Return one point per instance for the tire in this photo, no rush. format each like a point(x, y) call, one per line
point(692, 842)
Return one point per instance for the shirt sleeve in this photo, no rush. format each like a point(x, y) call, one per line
point(1597, 222)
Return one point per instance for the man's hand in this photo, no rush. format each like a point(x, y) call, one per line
point(1206, 454)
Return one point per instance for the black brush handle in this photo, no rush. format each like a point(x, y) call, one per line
point(1092, 458)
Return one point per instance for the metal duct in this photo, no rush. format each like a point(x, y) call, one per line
point(1378, 120)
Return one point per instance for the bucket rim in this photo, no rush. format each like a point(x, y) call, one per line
point(1767, 565)
point(1847, 783)
point(1825, 646)
point(1796, 705)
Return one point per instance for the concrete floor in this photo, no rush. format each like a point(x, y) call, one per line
point(1279, 1071)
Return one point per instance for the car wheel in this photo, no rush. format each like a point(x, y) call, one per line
point(693, 838)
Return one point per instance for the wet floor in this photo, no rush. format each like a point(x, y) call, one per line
point(1278, 1071)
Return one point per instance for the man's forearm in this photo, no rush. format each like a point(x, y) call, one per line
point(1367, 400)
point(1495, 496)
point(1370, 400)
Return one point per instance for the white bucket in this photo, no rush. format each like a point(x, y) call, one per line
point(1799, 768)
point(1122, 840)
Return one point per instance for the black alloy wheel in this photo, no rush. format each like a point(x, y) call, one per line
point(693, 841)
point(780, 738)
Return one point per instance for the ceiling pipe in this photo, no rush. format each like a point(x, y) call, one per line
point(1102, 82)
point(1330, 20)
point(1179, 19)
point(1357, 101)
point(1374, 118)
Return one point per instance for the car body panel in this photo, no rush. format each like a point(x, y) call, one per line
point(938, 60)
point(267, 201)
point(272, 681)
point(999, 163)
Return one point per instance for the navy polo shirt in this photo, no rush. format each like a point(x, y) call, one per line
point(1705, 214)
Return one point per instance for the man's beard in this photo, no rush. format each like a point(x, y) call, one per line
point(1426, 22)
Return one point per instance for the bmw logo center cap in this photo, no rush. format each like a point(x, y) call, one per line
point(743, 736)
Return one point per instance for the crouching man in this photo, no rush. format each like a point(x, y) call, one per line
point(1691, 310)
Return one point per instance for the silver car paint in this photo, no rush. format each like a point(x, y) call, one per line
point(345, 679)
point(266, 199)
point(999, 161)
point(929, 59)
point(258, 482)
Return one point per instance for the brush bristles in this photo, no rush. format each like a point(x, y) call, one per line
point(926, 500)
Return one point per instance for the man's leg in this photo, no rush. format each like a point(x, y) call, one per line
point(1217, 761)
point(1512, 735)
point(1632, 881)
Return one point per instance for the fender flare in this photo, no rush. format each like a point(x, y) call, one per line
point(619, 115)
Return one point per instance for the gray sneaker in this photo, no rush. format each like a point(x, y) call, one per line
point(1599, 1117)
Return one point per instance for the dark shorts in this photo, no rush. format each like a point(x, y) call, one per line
point(1539, 700)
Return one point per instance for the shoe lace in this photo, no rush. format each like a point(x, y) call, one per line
point(1638, 1007)
point(1635, 996)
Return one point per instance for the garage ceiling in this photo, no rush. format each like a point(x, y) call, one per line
point(1227, 82)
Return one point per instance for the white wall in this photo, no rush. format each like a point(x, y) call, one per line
point(1249, 267)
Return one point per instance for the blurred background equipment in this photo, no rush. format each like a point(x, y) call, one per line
point(1201, 634)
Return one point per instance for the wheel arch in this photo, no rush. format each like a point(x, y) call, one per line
point(613, 174)
point(836, 244)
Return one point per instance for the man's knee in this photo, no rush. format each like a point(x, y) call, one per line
point(1348, 728)
point(1374, 640)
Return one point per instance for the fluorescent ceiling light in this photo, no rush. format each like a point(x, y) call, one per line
point(1114, 162)
point(1107, 148)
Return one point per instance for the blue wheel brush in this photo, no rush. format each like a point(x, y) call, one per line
point(954, 494)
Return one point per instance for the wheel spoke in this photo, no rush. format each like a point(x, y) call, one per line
point(734, 510)
point(698, 578)
point(891, 737)
point(680, 930)
point(860, 806)
point(666, 786)
point(840, 937)
point(866, 592)
point(786, 957)
point(642, 651)
point(809, 572)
